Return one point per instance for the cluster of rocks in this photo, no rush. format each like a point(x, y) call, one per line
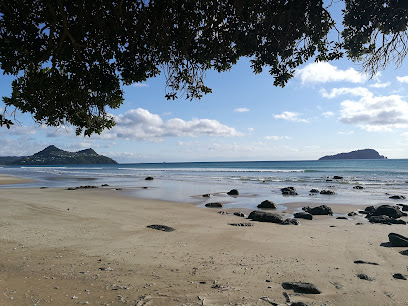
point(292, 191)
point(149, 178)
point(82, 187)
point(385, 214)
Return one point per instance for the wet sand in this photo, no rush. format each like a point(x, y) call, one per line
point(61, 247)
point(9, 180)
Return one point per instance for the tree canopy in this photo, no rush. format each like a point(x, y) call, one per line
point(70, 59)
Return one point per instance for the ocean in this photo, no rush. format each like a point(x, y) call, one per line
point(256, 181)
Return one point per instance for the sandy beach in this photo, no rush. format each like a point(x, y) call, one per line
point(75, 247)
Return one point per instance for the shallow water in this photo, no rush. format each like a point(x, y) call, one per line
point(256, 181)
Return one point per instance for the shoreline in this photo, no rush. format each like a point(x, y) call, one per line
point(93, 246)
point(12, 180)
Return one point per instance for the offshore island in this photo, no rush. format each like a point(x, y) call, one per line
point(358, 154)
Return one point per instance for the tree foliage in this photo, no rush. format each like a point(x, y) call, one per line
point(70, 59)
point(376, 31)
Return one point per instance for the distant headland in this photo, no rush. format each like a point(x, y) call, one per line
point(55, 156)
point(358, 154)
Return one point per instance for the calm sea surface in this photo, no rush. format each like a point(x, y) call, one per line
point(255, 181)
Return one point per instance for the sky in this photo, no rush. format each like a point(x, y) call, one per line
point(327, 108)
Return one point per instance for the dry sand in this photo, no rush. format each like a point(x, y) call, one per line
point(60, 247)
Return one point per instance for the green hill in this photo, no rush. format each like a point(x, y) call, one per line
point(55, 156)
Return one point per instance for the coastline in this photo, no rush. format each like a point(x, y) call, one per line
point(11, 180)
point(93, 246)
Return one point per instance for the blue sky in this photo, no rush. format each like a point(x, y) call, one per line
point(326, 108)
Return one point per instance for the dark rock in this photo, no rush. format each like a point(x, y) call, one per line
point(351, 214)
point(363, 212)
point(385, 220)
point(358, 187)
point(329, 192)
point(214, 205)
point(223, 212)
point(329, 180)
point(119, 189)
point(399, 276)
point(319, 210)
point(207, 195)
point(298, 304)
point(286, 295)
point(265, 217)
point(301, 287)
point(303, 215)
point(387, 210)
point(314, 191)
point(145, 187)
point(267, 204)
point(404, 207)
point(239, 214)
point(336, 177)
point(366, 262)
point(105, 185)
point(369, 209)
point(397, 197)
point(163, 228)
point(359, 223)
point(398, 240)
point(405, 252)
point(290, 221)
point(149, 178)
point(365, 277)
point(289, 191)
point(241, 224)
point(233, 192)
point(342, 218)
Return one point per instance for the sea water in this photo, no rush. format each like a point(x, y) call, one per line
point(256, 181)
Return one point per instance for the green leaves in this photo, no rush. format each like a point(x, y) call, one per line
point(69, 58)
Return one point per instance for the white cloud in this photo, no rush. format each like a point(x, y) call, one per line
point(276, 138)
point(140, 85)
point(251, 130)
point(141, 124)
point(376, 113)
point(323, 72)
point(405, 134)
point(241, 110)
point(290, 116)
point(380, 85)
point(335, 92)
point(328, 114)
point(403, 79)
